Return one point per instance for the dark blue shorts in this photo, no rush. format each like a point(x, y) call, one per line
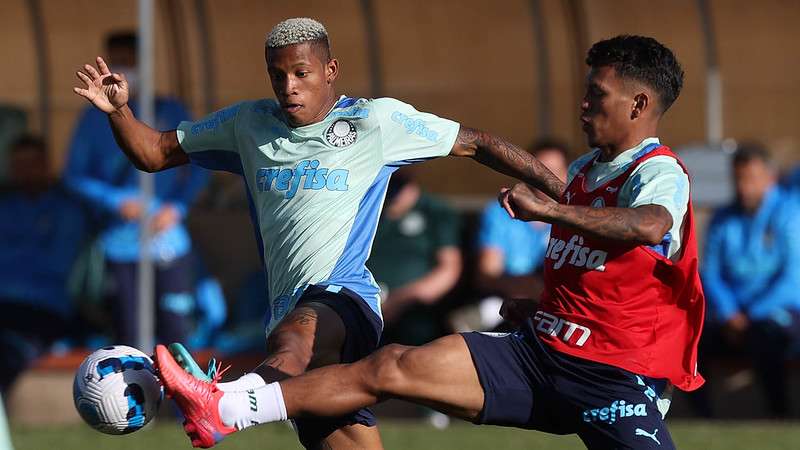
point(362, 334)
point(528, 385)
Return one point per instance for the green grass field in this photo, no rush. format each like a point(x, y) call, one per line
point(410, 436)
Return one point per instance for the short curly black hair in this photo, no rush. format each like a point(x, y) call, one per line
point(641, 59)
point(749, 151)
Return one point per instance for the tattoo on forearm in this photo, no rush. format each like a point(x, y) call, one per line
point(509, 159)
point(640, 224)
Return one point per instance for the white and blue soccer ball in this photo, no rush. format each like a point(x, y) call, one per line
point(116, 390)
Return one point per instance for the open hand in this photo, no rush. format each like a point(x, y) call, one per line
point(521, 202)
point(105, 90)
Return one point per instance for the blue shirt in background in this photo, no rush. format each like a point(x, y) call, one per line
point(751, 264)
point(523, 243)
point(793, 178)
point(99, 172)
point(41, 236)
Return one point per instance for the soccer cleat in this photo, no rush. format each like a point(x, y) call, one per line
point(197, 399)
point(185, 360)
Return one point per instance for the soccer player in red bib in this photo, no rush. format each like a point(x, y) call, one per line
point(622, 311)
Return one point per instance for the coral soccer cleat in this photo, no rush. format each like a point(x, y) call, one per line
point(197, 399)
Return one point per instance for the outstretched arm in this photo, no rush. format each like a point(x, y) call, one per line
point(506, 158)
point(645, 224)
point(148, 149)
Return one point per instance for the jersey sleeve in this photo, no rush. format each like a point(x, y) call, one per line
point(661, 181)
point(211, 141)
point(409, 135)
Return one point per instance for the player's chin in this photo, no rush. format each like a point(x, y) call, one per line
point(296, 119)
point(293, 112)
point(589, 133)
point(593, 139)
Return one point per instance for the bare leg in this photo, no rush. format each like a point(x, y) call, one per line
point(440, 375)
point(311, 336)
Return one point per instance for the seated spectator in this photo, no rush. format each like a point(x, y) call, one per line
point(41, 231)
point(415, 259)
point(211, 310)
point(98, 171)
point(511, 252)
point(751, 276)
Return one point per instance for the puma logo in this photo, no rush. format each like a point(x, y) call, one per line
point(641, 432)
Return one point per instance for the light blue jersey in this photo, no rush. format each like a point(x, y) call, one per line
point(316, 191)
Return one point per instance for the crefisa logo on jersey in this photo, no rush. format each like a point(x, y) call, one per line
point(574, 253)
point(341, 133)
point(415, 126)
point(307, 175)
point(215, 120)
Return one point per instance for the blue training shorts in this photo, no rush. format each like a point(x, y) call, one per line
point(528, 385)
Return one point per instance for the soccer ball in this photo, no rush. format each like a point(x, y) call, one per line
point(116, 390)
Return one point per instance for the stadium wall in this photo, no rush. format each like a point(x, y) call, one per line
point(474, 61)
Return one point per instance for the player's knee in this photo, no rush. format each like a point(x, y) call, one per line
point(387, 372)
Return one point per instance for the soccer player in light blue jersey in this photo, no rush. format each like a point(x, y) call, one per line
point(316, 165)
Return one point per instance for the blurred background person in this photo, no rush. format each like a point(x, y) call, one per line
point(415, 259)
point(99, 172)
point(511, 252)
point(792, 180)
point(244, 328)
point(751, 276)
point(197, 43)
point(211, 309)
point(41, 230)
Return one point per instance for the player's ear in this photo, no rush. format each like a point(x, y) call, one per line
point(331, 70)
point(640, 104)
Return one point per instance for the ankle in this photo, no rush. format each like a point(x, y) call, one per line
point(243, 383)
point(243, 409)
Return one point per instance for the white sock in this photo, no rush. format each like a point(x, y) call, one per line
point(245, 382)
point(252, 407)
